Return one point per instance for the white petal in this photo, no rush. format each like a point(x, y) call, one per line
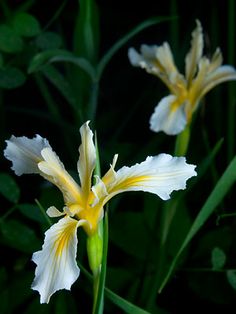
point(222, 74)
point(134, 57)
point(56, 262)
point(87, 159)
point(168, 118)
point(54, 212)
point(52, 169)
point(193, 57)
point(25, 153)
point(160, 175)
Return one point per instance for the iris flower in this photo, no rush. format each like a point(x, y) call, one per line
point(175, 111)
point(56, 262)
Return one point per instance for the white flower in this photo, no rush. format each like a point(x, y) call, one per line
point(175, 111)
point(56, 262)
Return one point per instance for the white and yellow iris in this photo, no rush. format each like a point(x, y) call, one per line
point(56, 262)
point(175, 111)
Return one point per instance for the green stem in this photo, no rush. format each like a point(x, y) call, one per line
point(99, 280)
point(167, 215)
point(48, 220)
point(182, 142)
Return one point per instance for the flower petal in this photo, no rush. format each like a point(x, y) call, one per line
point(25, 153)
point(160, 175)
point(52, 169)
point(56, 262)
point(222, 74)
point(87, 159)
point(193, 57)
point(158, 60)
point(168, 116)
point(52, 211)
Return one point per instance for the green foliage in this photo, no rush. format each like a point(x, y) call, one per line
point(8, 188)
point(11, 78)
point(48, 41)
point(19, 236)
point(10, 41)
point(61, 65)
point(218, 258)
point(26, 25)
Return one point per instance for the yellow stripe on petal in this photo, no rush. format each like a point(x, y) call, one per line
point(169, 116)
point(56, 262)
point(160, 175)
point(53, 170)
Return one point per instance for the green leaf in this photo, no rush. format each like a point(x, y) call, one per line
point(121, 42)
point(8, 188)
point(59, 81)
point(123, 304)
point(26, 25)
point(11, 78)
point(48, 41)
point(59, 55)
point(218, 258)
point(231, 277)
point(216, 196)
point(10, 42)
point(32, 212)
point(87, 31)
point(19, 236)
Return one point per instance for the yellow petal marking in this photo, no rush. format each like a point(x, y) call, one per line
point(62, 242)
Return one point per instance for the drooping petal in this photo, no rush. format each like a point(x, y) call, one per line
point(157, 60)
point(56, 262)
point(160, 175)
point(87, 159)
point(168, 116)
point(222, 74)
point(193, 57)
point(25, 153)
point(52, 169)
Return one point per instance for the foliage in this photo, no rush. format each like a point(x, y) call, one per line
point(62, 65)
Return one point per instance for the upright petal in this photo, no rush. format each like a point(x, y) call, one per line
point(87, 159)
point(56, 262)
point(195, 53)
point(52, 169)
point(169, 116)
point(25, 153)
point(160, 175)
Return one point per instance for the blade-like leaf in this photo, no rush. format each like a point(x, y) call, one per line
point(123, 304)
point(60, 55)
point(216, 196)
